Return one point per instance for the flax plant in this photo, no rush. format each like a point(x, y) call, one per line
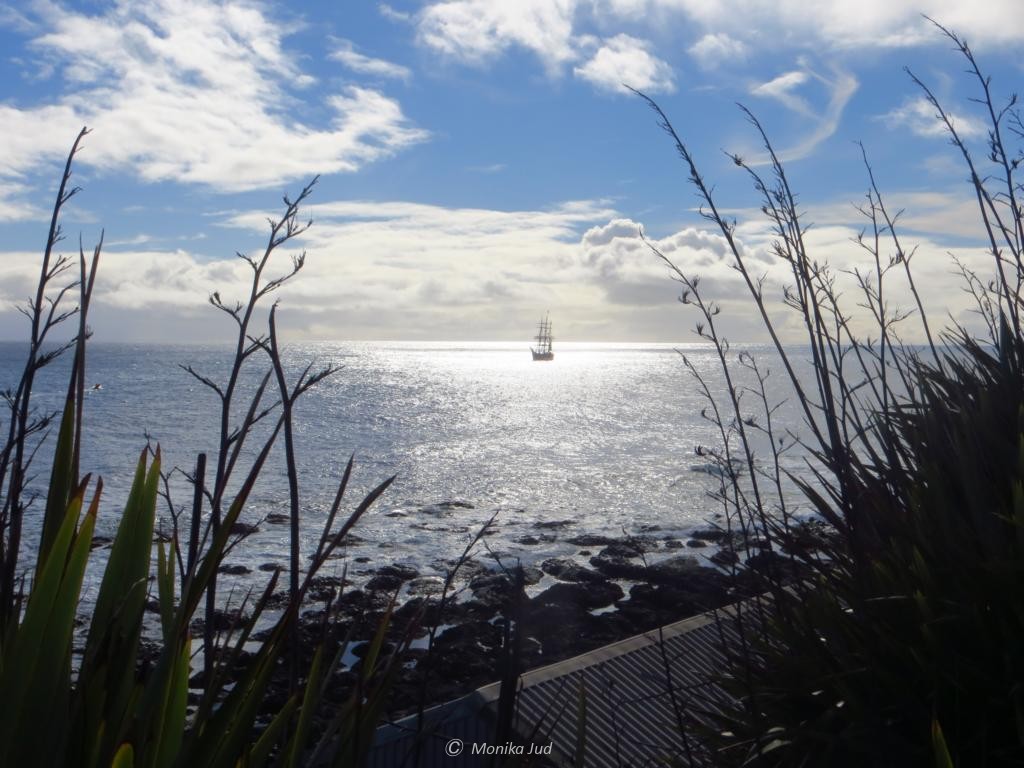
point(109, 706)
point(890, 634)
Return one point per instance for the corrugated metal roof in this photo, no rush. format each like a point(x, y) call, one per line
point(636, 697)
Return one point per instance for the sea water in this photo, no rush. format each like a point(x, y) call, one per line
point(601, 440)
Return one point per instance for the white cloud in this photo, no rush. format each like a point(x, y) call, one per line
point(12, 205)
point(714, 50)
point(194, 91)
point(347, 54)
point(923, 120)
point(404, 270)
point(474, 31)
point(395, 15)
point(477, 31)
point(626, 61)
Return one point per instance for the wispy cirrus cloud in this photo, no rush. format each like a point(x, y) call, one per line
point(785, 89)
point(345, 52)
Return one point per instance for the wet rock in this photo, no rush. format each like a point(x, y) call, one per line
point(532, 575)
point(767, 561)
point(724, 557)
point(384, 584)
point(618, 567)
point(235, 569)
point(276, 518)
point(590, 540)
point(402, 571)
point(673, 569)
point(575, 596)
point(270, 567)
point(222, 621)
point(564, 569)
point(710, 534)
point(673, 544)
point(482, 632)
point(362, 559)
point(528, 541)
point(243, 529)
point(696, 543)
point(622, 549)
point(100, 541)
point(456, 505)
point(552, 525)
point(426, 585)
point(326, 587)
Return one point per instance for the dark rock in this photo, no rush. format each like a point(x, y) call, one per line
point(673, 569)
point(766, 560)
point(696, 543)
point(550, 525)
point(674, 544)
point(326, 587)
point(471, 631)
point(724, 557)
point(590, 540)
point(584, 596)
point(234, 569)
point(276, 518)
point(618, 567)
point(100, 541)
point(532, 575)
point(403, 572)
point(384, 584)
point(362, 559)
point(359, 650)
point(270, 567)
point(710, 534)
point(622, 549)
point(456, 505)
point(565, 569)
point(426, 585)
point(243, 529)
point(531, 540)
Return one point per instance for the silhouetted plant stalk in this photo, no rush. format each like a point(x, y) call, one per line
point(113, 708)
point(46, 311)
point(879, 639)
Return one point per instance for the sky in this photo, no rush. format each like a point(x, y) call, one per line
point(480, 162)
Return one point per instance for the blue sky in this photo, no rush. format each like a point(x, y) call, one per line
point(480, 161)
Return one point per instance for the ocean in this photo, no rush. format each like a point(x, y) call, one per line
point(602, 440)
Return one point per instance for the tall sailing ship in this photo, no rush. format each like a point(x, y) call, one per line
point(543, 349)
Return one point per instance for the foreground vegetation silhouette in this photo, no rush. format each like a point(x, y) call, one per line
point(892, 636)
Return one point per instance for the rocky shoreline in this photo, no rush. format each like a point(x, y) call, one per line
point(451, 642)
